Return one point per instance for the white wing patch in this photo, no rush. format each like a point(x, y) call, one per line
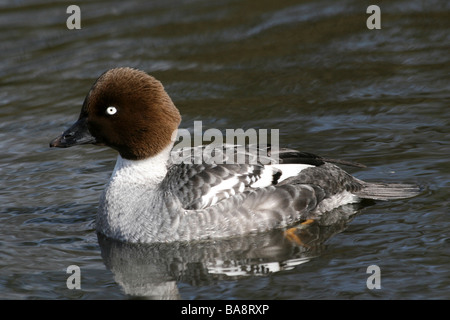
point(290, 169)
point(230, 186)
point(226, 187)
point(266, 178)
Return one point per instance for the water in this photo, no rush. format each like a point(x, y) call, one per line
point(309, 68)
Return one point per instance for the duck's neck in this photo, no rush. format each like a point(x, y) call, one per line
point(150, 171)
point(131, 207)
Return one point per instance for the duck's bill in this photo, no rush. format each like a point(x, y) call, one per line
point(77, 134)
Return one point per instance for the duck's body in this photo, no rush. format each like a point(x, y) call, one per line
point(149, 198)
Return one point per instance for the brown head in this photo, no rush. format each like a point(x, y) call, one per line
point(127, 110)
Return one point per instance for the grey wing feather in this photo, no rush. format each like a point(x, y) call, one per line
point(329, 177)
point(196, 174)
point(255, 210)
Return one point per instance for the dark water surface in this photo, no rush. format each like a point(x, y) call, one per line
point(311, 69)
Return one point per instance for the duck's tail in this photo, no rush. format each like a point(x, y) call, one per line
point(387, 191)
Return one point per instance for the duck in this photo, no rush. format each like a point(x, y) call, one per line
point(150, 198)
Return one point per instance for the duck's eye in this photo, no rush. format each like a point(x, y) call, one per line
point(111, 110)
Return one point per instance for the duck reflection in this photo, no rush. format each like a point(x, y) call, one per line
point(153, 270)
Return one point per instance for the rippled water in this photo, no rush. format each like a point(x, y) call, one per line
point(309, 68)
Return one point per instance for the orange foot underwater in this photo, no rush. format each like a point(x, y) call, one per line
point(291, 235)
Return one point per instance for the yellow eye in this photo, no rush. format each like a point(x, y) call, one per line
point(111, 110)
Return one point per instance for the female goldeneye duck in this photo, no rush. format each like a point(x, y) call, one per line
point(149, 198)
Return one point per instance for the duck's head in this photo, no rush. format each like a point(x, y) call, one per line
point(127, 110)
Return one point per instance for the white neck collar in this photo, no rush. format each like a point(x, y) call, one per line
point(147, 171)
